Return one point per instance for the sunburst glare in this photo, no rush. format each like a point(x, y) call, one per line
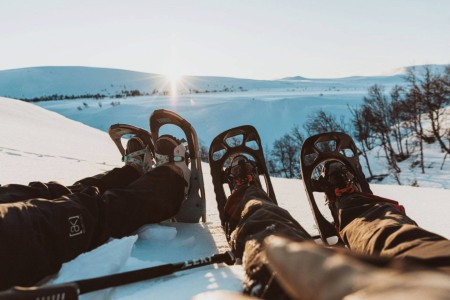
point(174, 78)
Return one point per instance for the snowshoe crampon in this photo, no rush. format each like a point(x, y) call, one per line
point(194, 207)
point(117, 131)
point(317, 152)
point(243, 140)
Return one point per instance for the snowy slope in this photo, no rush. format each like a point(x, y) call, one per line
point(212, 113)
point(40, 145)
point(272, 112)
point(35, 142)
point(46, 81)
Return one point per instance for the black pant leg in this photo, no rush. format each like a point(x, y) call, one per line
point(152, 198)
point(17, 192)
point(43, 225)
point(38, 235)
point(115, 179)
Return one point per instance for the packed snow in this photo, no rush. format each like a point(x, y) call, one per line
point(36, 144)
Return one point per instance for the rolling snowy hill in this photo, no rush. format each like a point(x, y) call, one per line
point(36, 144)
point(45, 81)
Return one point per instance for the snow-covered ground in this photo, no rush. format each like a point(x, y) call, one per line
point(272, 112)
point(36, 144)
point(274, 107)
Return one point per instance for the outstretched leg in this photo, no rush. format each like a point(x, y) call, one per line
point(251, 216)
point(370, 225)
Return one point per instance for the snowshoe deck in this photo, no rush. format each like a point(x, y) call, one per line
point(315, 152)
point(239, 140)
point(117, 131)
point(194, 207)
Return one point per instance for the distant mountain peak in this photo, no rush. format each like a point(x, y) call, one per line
point(294, 78)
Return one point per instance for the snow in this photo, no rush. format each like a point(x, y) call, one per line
point(36, 144)
point(273, 112)
point(211, 114)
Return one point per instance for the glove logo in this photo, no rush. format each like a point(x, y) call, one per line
point(76, 226)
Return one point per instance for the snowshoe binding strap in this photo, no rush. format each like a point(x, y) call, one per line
point(347, 190)
point(179, 155)
point(242, 171)
point(131, 157)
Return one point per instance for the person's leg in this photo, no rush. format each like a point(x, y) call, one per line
point(38, 235)
point(43, 225)
point(152, 198)
point(251, 216)
point(16, 192)
point(370, 225)
point(309, 271)
point(116, 178)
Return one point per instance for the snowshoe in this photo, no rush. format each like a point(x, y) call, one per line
point(329, 164)
point(194, 207)
point(241, 141)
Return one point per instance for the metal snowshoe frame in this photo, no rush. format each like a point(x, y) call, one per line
point(220, 151)
point(318, 149)
point(194, 207)
point(117, 131)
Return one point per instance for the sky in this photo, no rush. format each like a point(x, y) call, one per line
point(260, 39)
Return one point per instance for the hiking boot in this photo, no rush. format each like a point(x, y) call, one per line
point(337, 181)
point(138, 155)
point(169, 149)
point(242, 172)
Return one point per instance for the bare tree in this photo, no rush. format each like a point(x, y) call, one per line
point(285, 155)
point(378, 112)
point(204, 153)
point(436, 96)
point(399, 130)
point(413, 107)
point(363, 134)
point(320, 122)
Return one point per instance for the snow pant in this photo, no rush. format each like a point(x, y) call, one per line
point(43, 225)
point(375, 232)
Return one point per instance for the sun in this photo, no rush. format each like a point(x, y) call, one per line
point(173, 76)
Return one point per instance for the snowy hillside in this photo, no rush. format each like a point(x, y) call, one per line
point(36, 144)
point(46, 81)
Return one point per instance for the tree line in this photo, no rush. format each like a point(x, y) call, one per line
point(97, 96)
point(399, 121)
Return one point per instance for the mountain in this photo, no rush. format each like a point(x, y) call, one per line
point(295, 78)
point(27, 83)
point(46, 81)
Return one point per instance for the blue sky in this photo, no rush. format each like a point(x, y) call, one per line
point(258, 39)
